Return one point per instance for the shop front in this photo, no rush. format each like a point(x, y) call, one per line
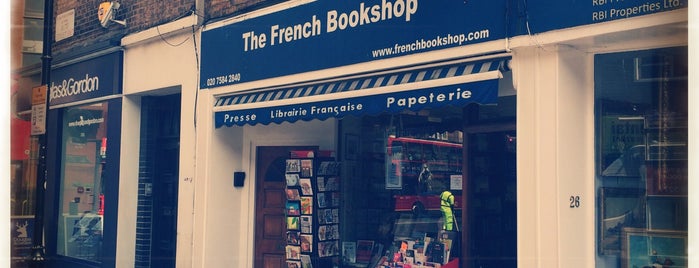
point(602, 95)
point(84, 118)
point(388, 147)
point(339, 134)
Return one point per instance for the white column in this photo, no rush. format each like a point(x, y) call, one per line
point(555, 156)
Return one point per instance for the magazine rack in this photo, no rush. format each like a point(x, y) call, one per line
point(312, 209)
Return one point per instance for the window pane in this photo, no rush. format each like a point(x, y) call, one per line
point(81, 195)
point(30, 59)
point(33, 29)
point(34, 8)
point(641, 137)
point(398, 166)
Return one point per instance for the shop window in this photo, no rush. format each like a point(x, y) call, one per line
point(641, 143)
point(400, 165)
point(81, 196)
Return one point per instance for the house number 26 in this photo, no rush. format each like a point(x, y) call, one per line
point(574, 201)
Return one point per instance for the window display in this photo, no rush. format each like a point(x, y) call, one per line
point(391, 213)
point(641, 136)
point(82, 170)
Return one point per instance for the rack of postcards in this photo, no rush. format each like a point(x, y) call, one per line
point(312, 209)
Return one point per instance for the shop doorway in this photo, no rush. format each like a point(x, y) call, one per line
point(490, 228)
point(270, 225)
point(158, 181)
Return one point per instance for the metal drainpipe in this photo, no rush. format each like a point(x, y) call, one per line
point(37, 258)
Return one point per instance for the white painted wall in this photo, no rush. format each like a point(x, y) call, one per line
point(553, 74)
point(153, 66)
point(229, 222)
point(555, 134)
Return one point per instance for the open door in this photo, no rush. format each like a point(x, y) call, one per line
point(270, 226)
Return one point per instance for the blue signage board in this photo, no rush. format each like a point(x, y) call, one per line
point(93, 78)
point(326, 34)
point(483, 92)
point(547, 15)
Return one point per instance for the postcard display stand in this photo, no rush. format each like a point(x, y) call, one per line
point(312, 209)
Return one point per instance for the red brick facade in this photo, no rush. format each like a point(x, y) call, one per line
point(138, 14)
point(223, 8)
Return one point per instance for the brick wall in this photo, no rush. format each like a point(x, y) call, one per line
point(16, 33)
point(216, 9)
point(139, 15)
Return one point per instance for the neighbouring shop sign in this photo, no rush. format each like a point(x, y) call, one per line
point(551, 15)
point(39, 110)
point(22, 230)
point(326, 34)
point(93, 78)
point(483, 92)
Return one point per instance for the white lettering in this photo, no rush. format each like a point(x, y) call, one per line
point(370, 14)
point(85, 122)
point(290, 33)
point(72, 87)
point(230, 118)
point(337, 110)
point(409, 102)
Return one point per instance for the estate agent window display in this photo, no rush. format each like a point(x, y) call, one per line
point(80, 225)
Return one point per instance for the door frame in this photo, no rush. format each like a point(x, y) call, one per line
point(250, 148)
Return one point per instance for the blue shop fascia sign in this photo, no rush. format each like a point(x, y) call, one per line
point(483, 92)
point(545, 15)
point(90, 79)
point(326, 34)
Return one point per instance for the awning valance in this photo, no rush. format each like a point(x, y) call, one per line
point(455, 83)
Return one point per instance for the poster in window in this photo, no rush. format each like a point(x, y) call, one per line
point(306, 243)
point(349, 252)
point(293, 253)
point(293, 165)
point(292, 194)
point(306, 188)
point(306, 205)
point(654, 248)
point(293, 208)
point(621, 146)
point(619, 208)
point(306, 261)
point(306, 167)
point(292, 223)
point(306, 224)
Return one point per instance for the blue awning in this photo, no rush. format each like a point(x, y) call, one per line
point(455, 83)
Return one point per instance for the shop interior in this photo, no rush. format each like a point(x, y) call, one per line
point(396, 168)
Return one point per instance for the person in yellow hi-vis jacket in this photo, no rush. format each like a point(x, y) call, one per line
point(447, 208)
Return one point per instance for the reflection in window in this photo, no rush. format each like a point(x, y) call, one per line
point(641, 143)
point(82, 171)
point(399, 167)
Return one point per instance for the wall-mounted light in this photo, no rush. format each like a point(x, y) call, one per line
point(106, 13)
